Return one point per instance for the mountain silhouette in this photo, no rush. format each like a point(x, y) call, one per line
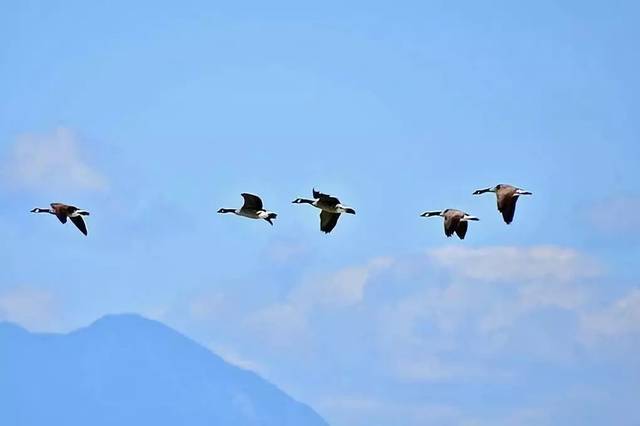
point(126, 370)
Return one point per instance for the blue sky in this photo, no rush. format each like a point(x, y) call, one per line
point(152, 116)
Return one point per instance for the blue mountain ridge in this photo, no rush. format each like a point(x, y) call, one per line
point(130, 371)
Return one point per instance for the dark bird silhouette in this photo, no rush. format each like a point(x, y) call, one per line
point(64, 211)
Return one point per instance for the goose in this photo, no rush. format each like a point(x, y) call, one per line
point(64, 211)
point(331, 209)
point(507, 196)
point(252, 208)
point(454, 221)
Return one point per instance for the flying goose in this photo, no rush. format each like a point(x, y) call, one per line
point(252, 208)
point(331, 209)
point(64, 211)
point(454, 221)
point(507, 197)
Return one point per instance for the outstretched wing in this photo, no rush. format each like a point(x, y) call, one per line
point(79, 223)
point(328, 199)
point(251, 202)
point(507, 206)
point(328, 221)
point(451, 224)
point(461, 229)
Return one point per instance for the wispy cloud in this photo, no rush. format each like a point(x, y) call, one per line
point(34, 309)
point(352, 409)
point(453, 317)
point(480, 310)
point(431, 368)
point(622, 317)
point(206, 306)
point(50, 161)
point(509, 264)
point(341, 288)
point(231, 356)
point(280, 325)
point(287, 322)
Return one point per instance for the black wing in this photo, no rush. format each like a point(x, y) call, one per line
point(328, 221)
point(461, 229)
point(251, 202)
point(79, 223)
point(450, 224)
point(328, 199)
point(507, 206)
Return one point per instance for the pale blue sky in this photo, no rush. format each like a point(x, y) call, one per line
point(152, 116)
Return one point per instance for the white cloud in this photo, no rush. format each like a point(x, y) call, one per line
point(280, 325)
point(622, 317)
point(206, 306)
point(471, 312)
point(287, 323)
point(36, 310)
point(519, 264)
point(531, 297)
point(233, 357)
point(358, 409)
point(345, 287)
point(430, 368)
point(455, 317)
point(51, 161)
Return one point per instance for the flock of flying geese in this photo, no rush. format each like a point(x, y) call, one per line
point(455, 221)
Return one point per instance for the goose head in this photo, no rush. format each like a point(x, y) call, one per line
point(485, 190)
point(432, 213)
point(302, 201)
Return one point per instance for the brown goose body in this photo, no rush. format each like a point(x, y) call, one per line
point(455, 221)
point(506, 197)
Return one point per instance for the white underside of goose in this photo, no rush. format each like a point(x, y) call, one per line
point(339, 208)
point(252, 214)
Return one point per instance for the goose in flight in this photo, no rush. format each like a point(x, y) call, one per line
point(331, 209)
point(454, 221)
point(64, 211)
point(507, 197)
point(252, 208)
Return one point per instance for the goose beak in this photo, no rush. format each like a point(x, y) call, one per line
point(350, 211)
point(33, 211)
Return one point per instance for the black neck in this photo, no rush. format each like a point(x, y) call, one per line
point(482, 191)
point(431, 214)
